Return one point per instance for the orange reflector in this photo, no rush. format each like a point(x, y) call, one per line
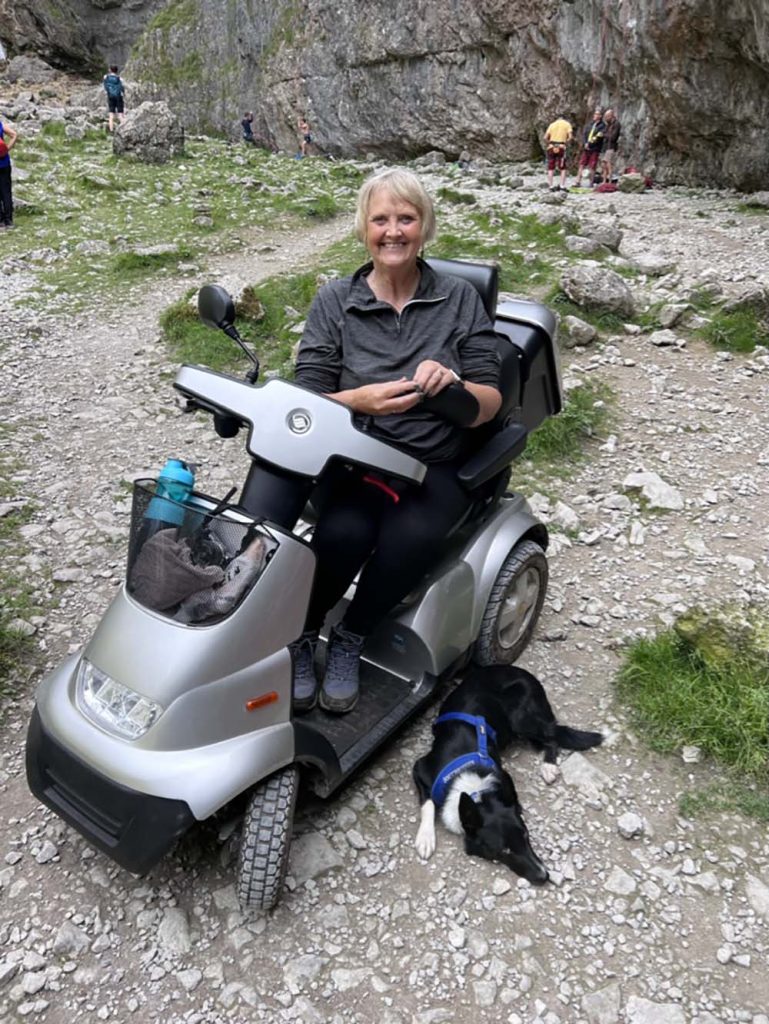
point(259, 702)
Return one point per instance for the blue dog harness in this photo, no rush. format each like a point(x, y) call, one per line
point(476, 759)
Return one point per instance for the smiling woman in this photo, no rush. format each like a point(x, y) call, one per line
point(383, 342)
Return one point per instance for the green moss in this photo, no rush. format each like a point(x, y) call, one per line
point(172, 74)
point(177, 14)
point(285, 31)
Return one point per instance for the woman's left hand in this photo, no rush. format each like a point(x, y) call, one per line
point(432, 377)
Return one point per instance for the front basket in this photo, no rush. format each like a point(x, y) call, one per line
point(194, 561)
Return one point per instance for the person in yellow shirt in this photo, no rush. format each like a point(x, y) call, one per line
point(557, 138)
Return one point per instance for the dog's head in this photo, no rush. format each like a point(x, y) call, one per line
point(495, 830)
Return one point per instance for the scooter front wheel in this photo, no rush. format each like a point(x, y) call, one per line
point(513, 607)
point(266, 839)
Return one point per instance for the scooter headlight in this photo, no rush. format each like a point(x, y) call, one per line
point(113, 706)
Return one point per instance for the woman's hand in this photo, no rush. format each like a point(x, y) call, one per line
point(431, 377)
point(381, 399)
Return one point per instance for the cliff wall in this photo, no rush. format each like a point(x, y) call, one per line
point(689, 78)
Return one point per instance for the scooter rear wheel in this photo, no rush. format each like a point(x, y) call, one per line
point(513, 607)
point(266, 839)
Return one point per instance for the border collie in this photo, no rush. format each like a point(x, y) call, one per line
point(462, 775)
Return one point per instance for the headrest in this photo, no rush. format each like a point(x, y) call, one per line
point(484, 277)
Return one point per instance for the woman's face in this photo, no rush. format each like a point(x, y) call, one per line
point(393, 231)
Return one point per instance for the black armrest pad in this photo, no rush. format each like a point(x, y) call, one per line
point(455, 404)
point(498, 452)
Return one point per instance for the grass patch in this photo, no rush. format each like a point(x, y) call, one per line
point(531, 231)
point(739, 331)
point(127, 263)
point(85, 197)
point(563, 438)
point(603, 321)
point(560, 443)
point(320, 207)
point(676, 697)
point(265, 316)
point(759, 211)
point(451, 195)
point(517, 271)
point(726, 796)
point(17, 650)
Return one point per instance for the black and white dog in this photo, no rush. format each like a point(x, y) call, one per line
point(462, 775)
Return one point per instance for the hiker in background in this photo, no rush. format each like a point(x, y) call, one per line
point(592, 144)
point(610, 141)
point(557, 138)
point(7, 142)
point(113, 86)
point(305, 136)
point(248, 131)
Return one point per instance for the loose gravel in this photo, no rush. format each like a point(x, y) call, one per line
point(650, 918)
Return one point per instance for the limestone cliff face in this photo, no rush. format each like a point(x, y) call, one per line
point(75, 34)
point(689, 78)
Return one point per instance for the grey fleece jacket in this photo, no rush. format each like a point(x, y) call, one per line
point(351, 339)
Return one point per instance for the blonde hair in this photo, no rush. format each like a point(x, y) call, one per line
point(403, 185)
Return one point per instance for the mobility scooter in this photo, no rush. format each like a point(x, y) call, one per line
point(180, 703)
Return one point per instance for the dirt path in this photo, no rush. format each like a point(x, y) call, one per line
point(668, 926)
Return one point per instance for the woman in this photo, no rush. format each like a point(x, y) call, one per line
point(7, 142)
point(381, 342)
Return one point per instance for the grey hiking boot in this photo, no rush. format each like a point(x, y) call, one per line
point(340, 685)
point(305, 679)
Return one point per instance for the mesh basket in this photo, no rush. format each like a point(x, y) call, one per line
point(193, 562)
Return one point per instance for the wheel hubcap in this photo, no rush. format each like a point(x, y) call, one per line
point(518, 607)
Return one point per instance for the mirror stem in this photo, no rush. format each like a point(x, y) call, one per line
point(231, 332)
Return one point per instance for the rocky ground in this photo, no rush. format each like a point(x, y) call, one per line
point(650, 918)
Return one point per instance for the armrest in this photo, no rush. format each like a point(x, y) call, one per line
point(498, 452)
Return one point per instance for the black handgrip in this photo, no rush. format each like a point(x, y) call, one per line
point(455, 404)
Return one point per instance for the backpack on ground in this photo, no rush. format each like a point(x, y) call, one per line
point(114, 86)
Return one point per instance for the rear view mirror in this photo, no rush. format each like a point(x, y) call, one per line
point(215, 307)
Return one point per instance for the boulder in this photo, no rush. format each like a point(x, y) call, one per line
point(760, 200)
point(585, 246)
point(151, 134)
point(572, 332)
point(631, 182)
point(732, 633)
point(753, 296)
point(434, 158)
point(29, 69)
point(596, 287)
point(605, 232)
point(654, 265)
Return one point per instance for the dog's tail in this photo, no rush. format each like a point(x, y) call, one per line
point(576, 739)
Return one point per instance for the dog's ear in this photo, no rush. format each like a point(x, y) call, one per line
point(507, 790)
point(469, 815)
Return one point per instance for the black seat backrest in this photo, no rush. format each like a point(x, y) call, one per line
point(484, 277)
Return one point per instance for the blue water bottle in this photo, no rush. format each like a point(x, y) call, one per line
point(173, 488)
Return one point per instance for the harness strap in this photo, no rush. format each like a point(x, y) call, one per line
point(475, 759)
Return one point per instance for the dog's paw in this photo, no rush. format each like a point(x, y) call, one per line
point(549, 773)
point(425, 842)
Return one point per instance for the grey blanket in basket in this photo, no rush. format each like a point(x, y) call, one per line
point(164, 575)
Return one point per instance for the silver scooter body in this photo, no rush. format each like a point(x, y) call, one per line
point(224, 689)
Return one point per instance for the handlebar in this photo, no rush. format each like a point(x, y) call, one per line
point(292, 428)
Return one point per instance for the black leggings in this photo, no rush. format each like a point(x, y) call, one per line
point(398, 542)
point(6, 196)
